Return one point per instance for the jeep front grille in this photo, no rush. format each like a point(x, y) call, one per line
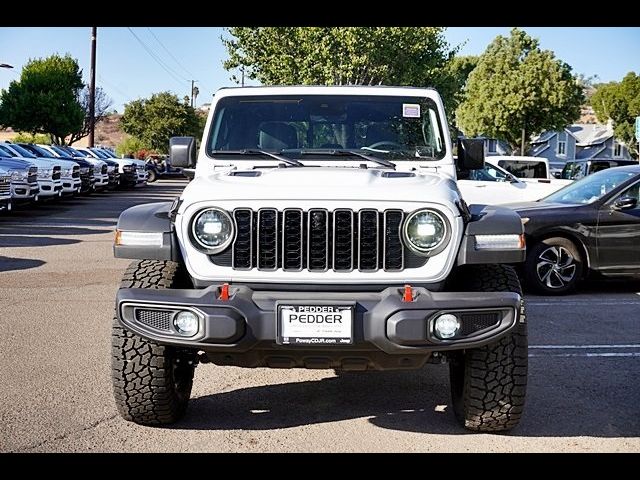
point(318, 240)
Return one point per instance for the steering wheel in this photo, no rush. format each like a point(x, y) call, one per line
point(377, 145)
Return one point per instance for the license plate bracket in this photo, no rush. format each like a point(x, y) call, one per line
point(314, 324)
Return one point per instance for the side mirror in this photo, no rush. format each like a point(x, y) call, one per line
point(182, 152)
point(470, 154)
point(625, 203)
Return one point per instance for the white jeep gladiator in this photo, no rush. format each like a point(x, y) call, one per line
point(323, 229)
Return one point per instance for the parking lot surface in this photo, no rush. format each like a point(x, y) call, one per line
point(58, 279)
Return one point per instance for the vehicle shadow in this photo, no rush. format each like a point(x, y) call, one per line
point(8, 264)
point(566, 397)
point(26, 241)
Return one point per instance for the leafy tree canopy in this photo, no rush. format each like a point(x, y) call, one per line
point(620, 102)
point(415, 56)
point(156, 119)
point(45, 98)
point(31, 138)
point(130, 146)
point(515, 86)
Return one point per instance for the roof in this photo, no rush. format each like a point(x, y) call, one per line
point(543, 137)
point(538, 149)
point(589, 152)
point(589, 133)
point(377, 90)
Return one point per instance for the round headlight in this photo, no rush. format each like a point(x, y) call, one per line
point(213, 229)
point(424, 231)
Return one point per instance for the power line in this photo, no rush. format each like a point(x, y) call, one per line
point(170, 54)
point(166, 68)
point(114, 87)
point(180, 64)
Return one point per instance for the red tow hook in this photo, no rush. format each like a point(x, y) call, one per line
point(408, 294)
point(224, 292)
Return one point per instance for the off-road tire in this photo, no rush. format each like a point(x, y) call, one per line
point(531, 277)
point(488, 384)
point(151, 382)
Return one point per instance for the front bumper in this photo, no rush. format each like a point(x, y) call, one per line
point(5, 203)
point(71, 185)
point(24, 191)
point(101, 181)
point(387, 332)
point(50, 188)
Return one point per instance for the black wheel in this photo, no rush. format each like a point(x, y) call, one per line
point(151, 176)
point(151, 382)
point(488, 384)
point(553, 266)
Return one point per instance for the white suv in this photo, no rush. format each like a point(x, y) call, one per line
point(323, 229)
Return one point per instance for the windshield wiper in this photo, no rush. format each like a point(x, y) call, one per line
point(344, 152)
point(255, 151)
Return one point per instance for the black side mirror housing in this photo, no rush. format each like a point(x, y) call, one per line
point(182, 152)
point(470, 154)
point(625, 203)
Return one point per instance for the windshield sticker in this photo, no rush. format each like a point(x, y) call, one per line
point(411, 110)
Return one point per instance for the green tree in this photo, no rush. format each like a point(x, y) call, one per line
point(154, 120)
point(130, 146)
point(45, 99)
point(518, 90)
point(31, 138)
point(620, 102)
point(416, 56)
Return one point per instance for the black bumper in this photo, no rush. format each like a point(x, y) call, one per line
point(387, 332)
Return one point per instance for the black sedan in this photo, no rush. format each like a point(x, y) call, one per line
point(590, 226)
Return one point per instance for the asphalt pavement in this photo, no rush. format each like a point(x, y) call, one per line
point(58, 280)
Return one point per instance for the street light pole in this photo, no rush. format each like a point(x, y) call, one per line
point(92, 87)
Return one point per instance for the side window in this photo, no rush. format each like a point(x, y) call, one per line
point(633, 191)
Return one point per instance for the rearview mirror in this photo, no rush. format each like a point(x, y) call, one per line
point(182, 152)
point(470, 154)
point(625, 203)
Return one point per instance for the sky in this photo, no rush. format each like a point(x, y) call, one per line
point(134, 63)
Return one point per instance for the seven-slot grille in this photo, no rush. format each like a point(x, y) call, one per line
point(318, 240)
point(55, 175)
point(76, 172)
point(33, 175)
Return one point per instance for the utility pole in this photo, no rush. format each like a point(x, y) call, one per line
point(192, 82)
point(92, 87)
point(242, 70)
point(522, 142)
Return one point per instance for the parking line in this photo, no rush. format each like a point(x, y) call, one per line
point(587, 354)
point(582, 303)
point(586, 347)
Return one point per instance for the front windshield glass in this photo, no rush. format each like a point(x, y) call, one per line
point(590, 188)
point(488, 174)
point(390, 127)
point(39, 151)
point(573, 171)
point(22, 151)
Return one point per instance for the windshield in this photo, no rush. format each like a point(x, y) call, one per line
point(23, 152)
point(390, 127)
point(489, 173)
point(74, 152)
point(7, 151)
point(573, 171)
point(38, 151)
point(590, 188)
point(99, 153)
point(524, 169)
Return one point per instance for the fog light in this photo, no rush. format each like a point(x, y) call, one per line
point(446, 326)
point(186, 323)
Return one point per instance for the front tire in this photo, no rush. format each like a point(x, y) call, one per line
point(151, 382)
point(488, 384)
point(553, 266)
point(151, 176)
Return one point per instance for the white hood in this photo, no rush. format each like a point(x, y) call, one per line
point(322, 183)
